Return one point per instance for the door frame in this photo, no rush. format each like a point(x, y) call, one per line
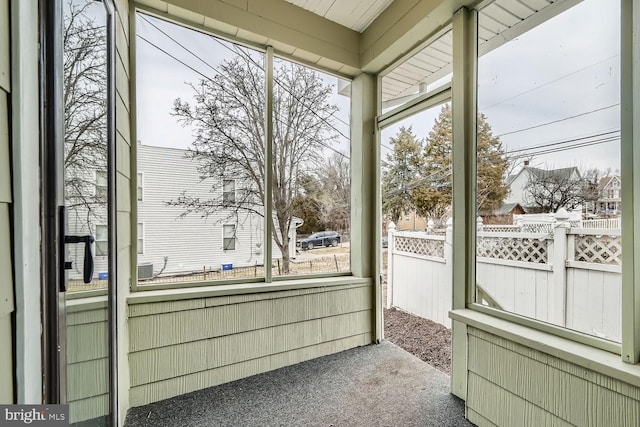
point(53, 250)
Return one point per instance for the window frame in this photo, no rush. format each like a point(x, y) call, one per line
point(101, 184)
point(100, 242)
point(224, 237)
point(140, 232)
point(140, 186)
point(269, 54)
point(464, 246)
point(228, 200)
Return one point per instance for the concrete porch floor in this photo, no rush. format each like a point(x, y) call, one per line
point(375, 385)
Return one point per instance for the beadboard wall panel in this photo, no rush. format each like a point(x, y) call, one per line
point(180, 346)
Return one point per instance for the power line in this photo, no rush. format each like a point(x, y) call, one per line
point(570, 147)
point(550, 82)
point(247, 56)
point(550, 144)
point(222, 75)
point(558, 121)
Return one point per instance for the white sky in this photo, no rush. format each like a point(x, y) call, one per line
point(547, 74)
point(162, 79)
point(565, 67)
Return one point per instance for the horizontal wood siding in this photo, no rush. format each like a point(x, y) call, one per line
point(510, 384)
point(195, 344)
point(87, 363)
point(191, 242)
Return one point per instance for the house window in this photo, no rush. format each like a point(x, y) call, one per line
point(552, 268)
point(229, 237)
point(102, 240)
point(140, 186)
point(228, 191)
point(140, 238)
point(102, 185)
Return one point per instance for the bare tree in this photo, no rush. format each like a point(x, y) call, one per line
point(85, 110)
point(551, 189)
point(227, 119)
point(335, 201)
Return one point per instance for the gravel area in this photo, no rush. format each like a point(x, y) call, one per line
point(427, 340)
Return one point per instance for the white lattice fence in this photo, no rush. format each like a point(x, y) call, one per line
point(420, 246)
point(513, 249)
point(537, 227)
point(501, 228)
point(598, 249)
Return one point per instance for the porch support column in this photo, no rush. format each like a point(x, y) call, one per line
point(464, 185)
point(365, 179)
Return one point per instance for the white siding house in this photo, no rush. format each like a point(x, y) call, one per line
point(189, 243)
point(194, 241)
point(518, 192)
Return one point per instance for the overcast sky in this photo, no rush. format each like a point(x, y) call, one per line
point(568, 66)
point(162, 79)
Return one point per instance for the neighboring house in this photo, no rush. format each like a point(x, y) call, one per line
point(610, 201)
point(518, 192)
point(188, 243)
point(411, 221)
point(503, 215)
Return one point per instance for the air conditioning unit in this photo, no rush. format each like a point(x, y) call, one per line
point(145, 271)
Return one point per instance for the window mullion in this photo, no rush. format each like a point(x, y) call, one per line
point(630, 169)
point(268, 160)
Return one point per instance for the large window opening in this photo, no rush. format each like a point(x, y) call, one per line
point(548, 170)
point(202, 138)
point(417, 233)
point(200, 130)
point(311, 173)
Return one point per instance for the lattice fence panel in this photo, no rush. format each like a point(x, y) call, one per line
point(536, 227)
point(599, 249)
point(501, 228)
point(513, 249)
point(418, 246)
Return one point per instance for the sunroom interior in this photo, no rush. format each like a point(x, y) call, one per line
point(129, 342)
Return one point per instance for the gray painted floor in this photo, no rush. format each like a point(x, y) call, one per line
point(376, 385)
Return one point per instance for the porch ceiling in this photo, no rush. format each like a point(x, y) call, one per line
point(500, 21)
point(369, 35)
point(354, 14)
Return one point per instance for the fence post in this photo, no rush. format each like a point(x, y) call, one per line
point(558, 295)
point(448, 258)
point(391, 228)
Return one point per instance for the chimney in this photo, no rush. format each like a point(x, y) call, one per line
point(526, 162)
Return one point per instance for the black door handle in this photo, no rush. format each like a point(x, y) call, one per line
point(87, 270)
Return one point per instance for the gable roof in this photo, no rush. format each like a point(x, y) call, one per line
point(545, 173)
point(607, 180)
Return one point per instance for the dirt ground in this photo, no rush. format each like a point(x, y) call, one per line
point(427, 340)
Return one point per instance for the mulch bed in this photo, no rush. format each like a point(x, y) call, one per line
point(427, 340)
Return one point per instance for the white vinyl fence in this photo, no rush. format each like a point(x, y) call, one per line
point(563, 275)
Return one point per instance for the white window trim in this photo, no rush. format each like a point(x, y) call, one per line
point(140, 226)
point(101, 240)
point(229, 192)
point(140, 185)
point(235, 236)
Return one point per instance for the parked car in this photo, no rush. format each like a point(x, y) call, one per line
point(322, 238)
